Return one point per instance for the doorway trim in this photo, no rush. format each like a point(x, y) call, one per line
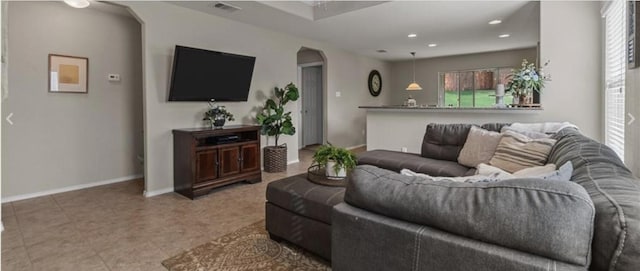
point(325, 98)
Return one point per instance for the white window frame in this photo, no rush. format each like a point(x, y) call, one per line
point(614, 25)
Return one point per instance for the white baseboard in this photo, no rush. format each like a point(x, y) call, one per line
point(355, 147)
point(293, 161)
point(70, 188)
point(148, 194)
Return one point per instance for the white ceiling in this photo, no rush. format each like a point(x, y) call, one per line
point(458, 27)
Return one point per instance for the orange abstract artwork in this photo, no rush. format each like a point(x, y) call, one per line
point(68, 74)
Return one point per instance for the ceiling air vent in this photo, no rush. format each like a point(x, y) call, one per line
point(225, 6)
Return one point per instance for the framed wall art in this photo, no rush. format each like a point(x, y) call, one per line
point(68, 74)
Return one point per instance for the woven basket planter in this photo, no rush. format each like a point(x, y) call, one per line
point(275, 159)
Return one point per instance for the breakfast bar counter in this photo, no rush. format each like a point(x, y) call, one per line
point(401, 128)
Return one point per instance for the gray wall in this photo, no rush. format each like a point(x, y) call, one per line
point(427, 71)
point(276, 65)
point(61, 140)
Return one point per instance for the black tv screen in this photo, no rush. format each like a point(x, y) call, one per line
point(203, 75)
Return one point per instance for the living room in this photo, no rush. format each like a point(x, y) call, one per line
point(102, 194)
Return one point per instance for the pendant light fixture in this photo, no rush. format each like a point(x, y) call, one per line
point(414, 85)
point(77, 3)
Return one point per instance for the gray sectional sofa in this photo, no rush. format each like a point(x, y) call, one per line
point(390, 221)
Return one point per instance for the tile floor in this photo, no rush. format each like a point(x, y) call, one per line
point(113, 227)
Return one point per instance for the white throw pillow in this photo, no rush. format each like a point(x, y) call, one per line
point(535, 171)
point(529, 133)
point(479, 148)
point(463, 179)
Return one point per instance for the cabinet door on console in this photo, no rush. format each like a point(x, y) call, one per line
point(250, 160)
point(229, 161)
point(206, 165)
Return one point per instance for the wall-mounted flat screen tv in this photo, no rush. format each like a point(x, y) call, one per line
point(204, 75)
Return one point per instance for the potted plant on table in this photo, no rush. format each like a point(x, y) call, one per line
point(217, 115)
point(336, 161)
point(275, 122)
point(525, 81)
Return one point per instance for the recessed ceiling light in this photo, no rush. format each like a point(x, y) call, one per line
point(77, 3)
point(432, 45)
point(412, 35)
point(495, 22)
point(504, 36)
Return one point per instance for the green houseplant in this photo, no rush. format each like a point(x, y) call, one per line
point(336, 161)
point(276, 122)
point(217, 115)
point(526, 80)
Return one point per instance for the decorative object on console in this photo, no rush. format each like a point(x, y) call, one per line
point(500, 96)
point(375, 83)
point(526, 80)
point(337, 161)
point(217, 115)
point(275, 122)
point(68, 74)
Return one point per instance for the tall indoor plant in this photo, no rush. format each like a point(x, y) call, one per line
point(275, 122)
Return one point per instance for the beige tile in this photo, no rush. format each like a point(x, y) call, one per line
point(7, 209)
point(15, 259)
point(68, 248)
point(41, 204)
point(35, 235)
point(93, 263)
point(133, 254)
point(113, 227)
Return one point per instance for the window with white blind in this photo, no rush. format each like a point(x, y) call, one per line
point(615, 34)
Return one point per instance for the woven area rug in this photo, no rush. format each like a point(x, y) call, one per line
point(246, 249)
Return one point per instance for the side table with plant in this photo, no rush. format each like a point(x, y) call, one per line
point(336, 161)
point(217, 115)
point(275, 122)
point(525, 81)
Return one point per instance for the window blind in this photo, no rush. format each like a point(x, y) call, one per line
point(615, 34)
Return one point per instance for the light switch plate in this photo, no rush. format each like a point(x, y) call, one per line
point(338, 94)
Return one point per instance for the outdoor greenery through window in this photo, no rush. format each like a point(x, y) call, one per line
point(472, 88)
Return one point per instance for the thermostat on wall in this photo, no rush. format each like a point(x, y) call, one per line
point(114, 77)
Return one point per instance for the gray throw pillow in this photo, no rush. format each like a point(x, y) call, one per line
point(564, 173)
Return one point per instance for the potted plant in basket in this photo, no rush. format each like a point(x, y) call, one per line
point(275, 122)
point(217, 115)
point(336, 161)
point(526, 80)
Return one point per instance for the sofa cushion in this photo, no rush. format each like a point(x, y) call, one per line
point(444, 141)
point(397, 161)
point(550, 219)
point(615, 194)
point(479, 147)
point(517, 151)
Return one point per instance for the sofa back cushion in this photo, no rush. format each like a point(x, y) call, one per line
point(444, 141)
point(615, 194)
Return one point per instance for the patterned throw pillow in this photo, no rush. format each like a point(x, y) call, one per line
point(516, 151)
point(479, 147)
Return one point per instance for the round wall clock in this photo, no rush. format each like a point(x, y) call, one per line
point(375, 83)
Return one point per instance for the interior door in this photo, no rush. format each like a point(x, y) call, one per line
point(206, 165)
point(312, 105)
point(229, 161)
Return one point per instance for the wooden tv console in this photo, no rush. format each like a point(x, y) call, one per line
point(203, 159)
